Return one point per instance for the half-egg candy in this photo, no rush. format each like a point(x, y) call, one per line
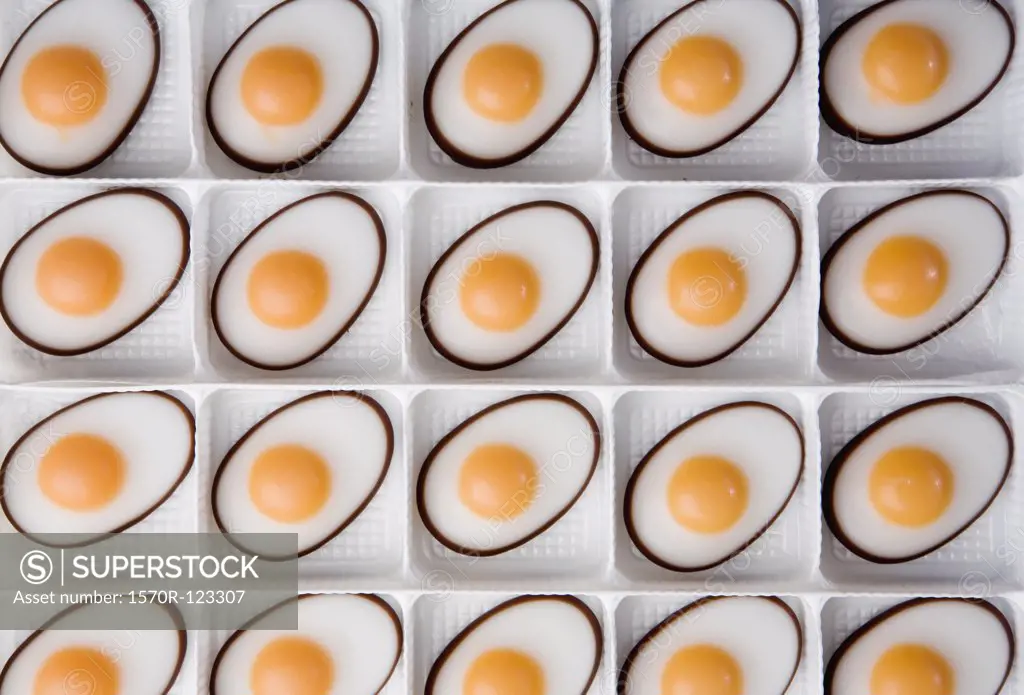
point(343, 643)
point(93, 270)
point(292, 83)
point(900, 69)
point(308, 468)
point(706, 73)
point(299, 281)
point(912, 269)
point(729, 645)
point(509, 80)
point(508, 285)
point(530, 645)
point(98, 466)
point(70, 655)
point(946, 646)
point(508, 473)
point(712, 486)
point(69, 94)
point(917, 478)
point(708, 282)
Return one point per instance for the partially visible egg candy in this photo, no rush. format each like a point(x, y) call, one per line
point(69, 653)
point(727, 645)
point(308, 468)
point(292, 82)
point(706, 73)
point(945, 646)
point(68, 96)
point(533, 644)
point(98, 466)
point(900, 69)
point(509, 80)
point(343, 643)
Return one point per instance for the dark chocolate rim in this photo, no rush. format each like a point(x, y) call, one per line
point(372, 598)
point(622, 99)
point(129, 124)
point(421, 479)
point(343, 123)
point(186, 468)
point(842, 127)
point(622, 683)
point(837, 246)
point(839, 460)
point(573, 601)
point(849, 642)
point(627, 507)
point(186, 235)
point(436, 343)
point(171, 609)
point(679, 222)
point(390, 450)
point(468, 160)
point(382, 240)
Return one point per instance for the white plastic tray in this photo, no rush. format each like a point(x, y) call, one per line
point(425, 201)
point(387, 344)
point(587, 553)
point(388, 140)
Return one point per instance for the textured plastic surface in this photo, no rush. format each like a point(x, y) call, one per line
point(426, 201)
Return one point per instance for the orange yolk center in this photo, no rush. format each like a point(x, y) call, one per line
point(905, 275)
point(912, 669)
point(706, 286)
point(497, 480)
point(910, 486)
point(77, 670)
point(499, 292)
point(707, 494)
point(282, 85)
point(292, 666)
point(504, 672)
point(82, 472)
point(79, 276)
point(905, 63)
point(702, 669)
point(289, 483)
point(701, 74)
point(288, 289)
point(503, 82)
point(64, 86)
